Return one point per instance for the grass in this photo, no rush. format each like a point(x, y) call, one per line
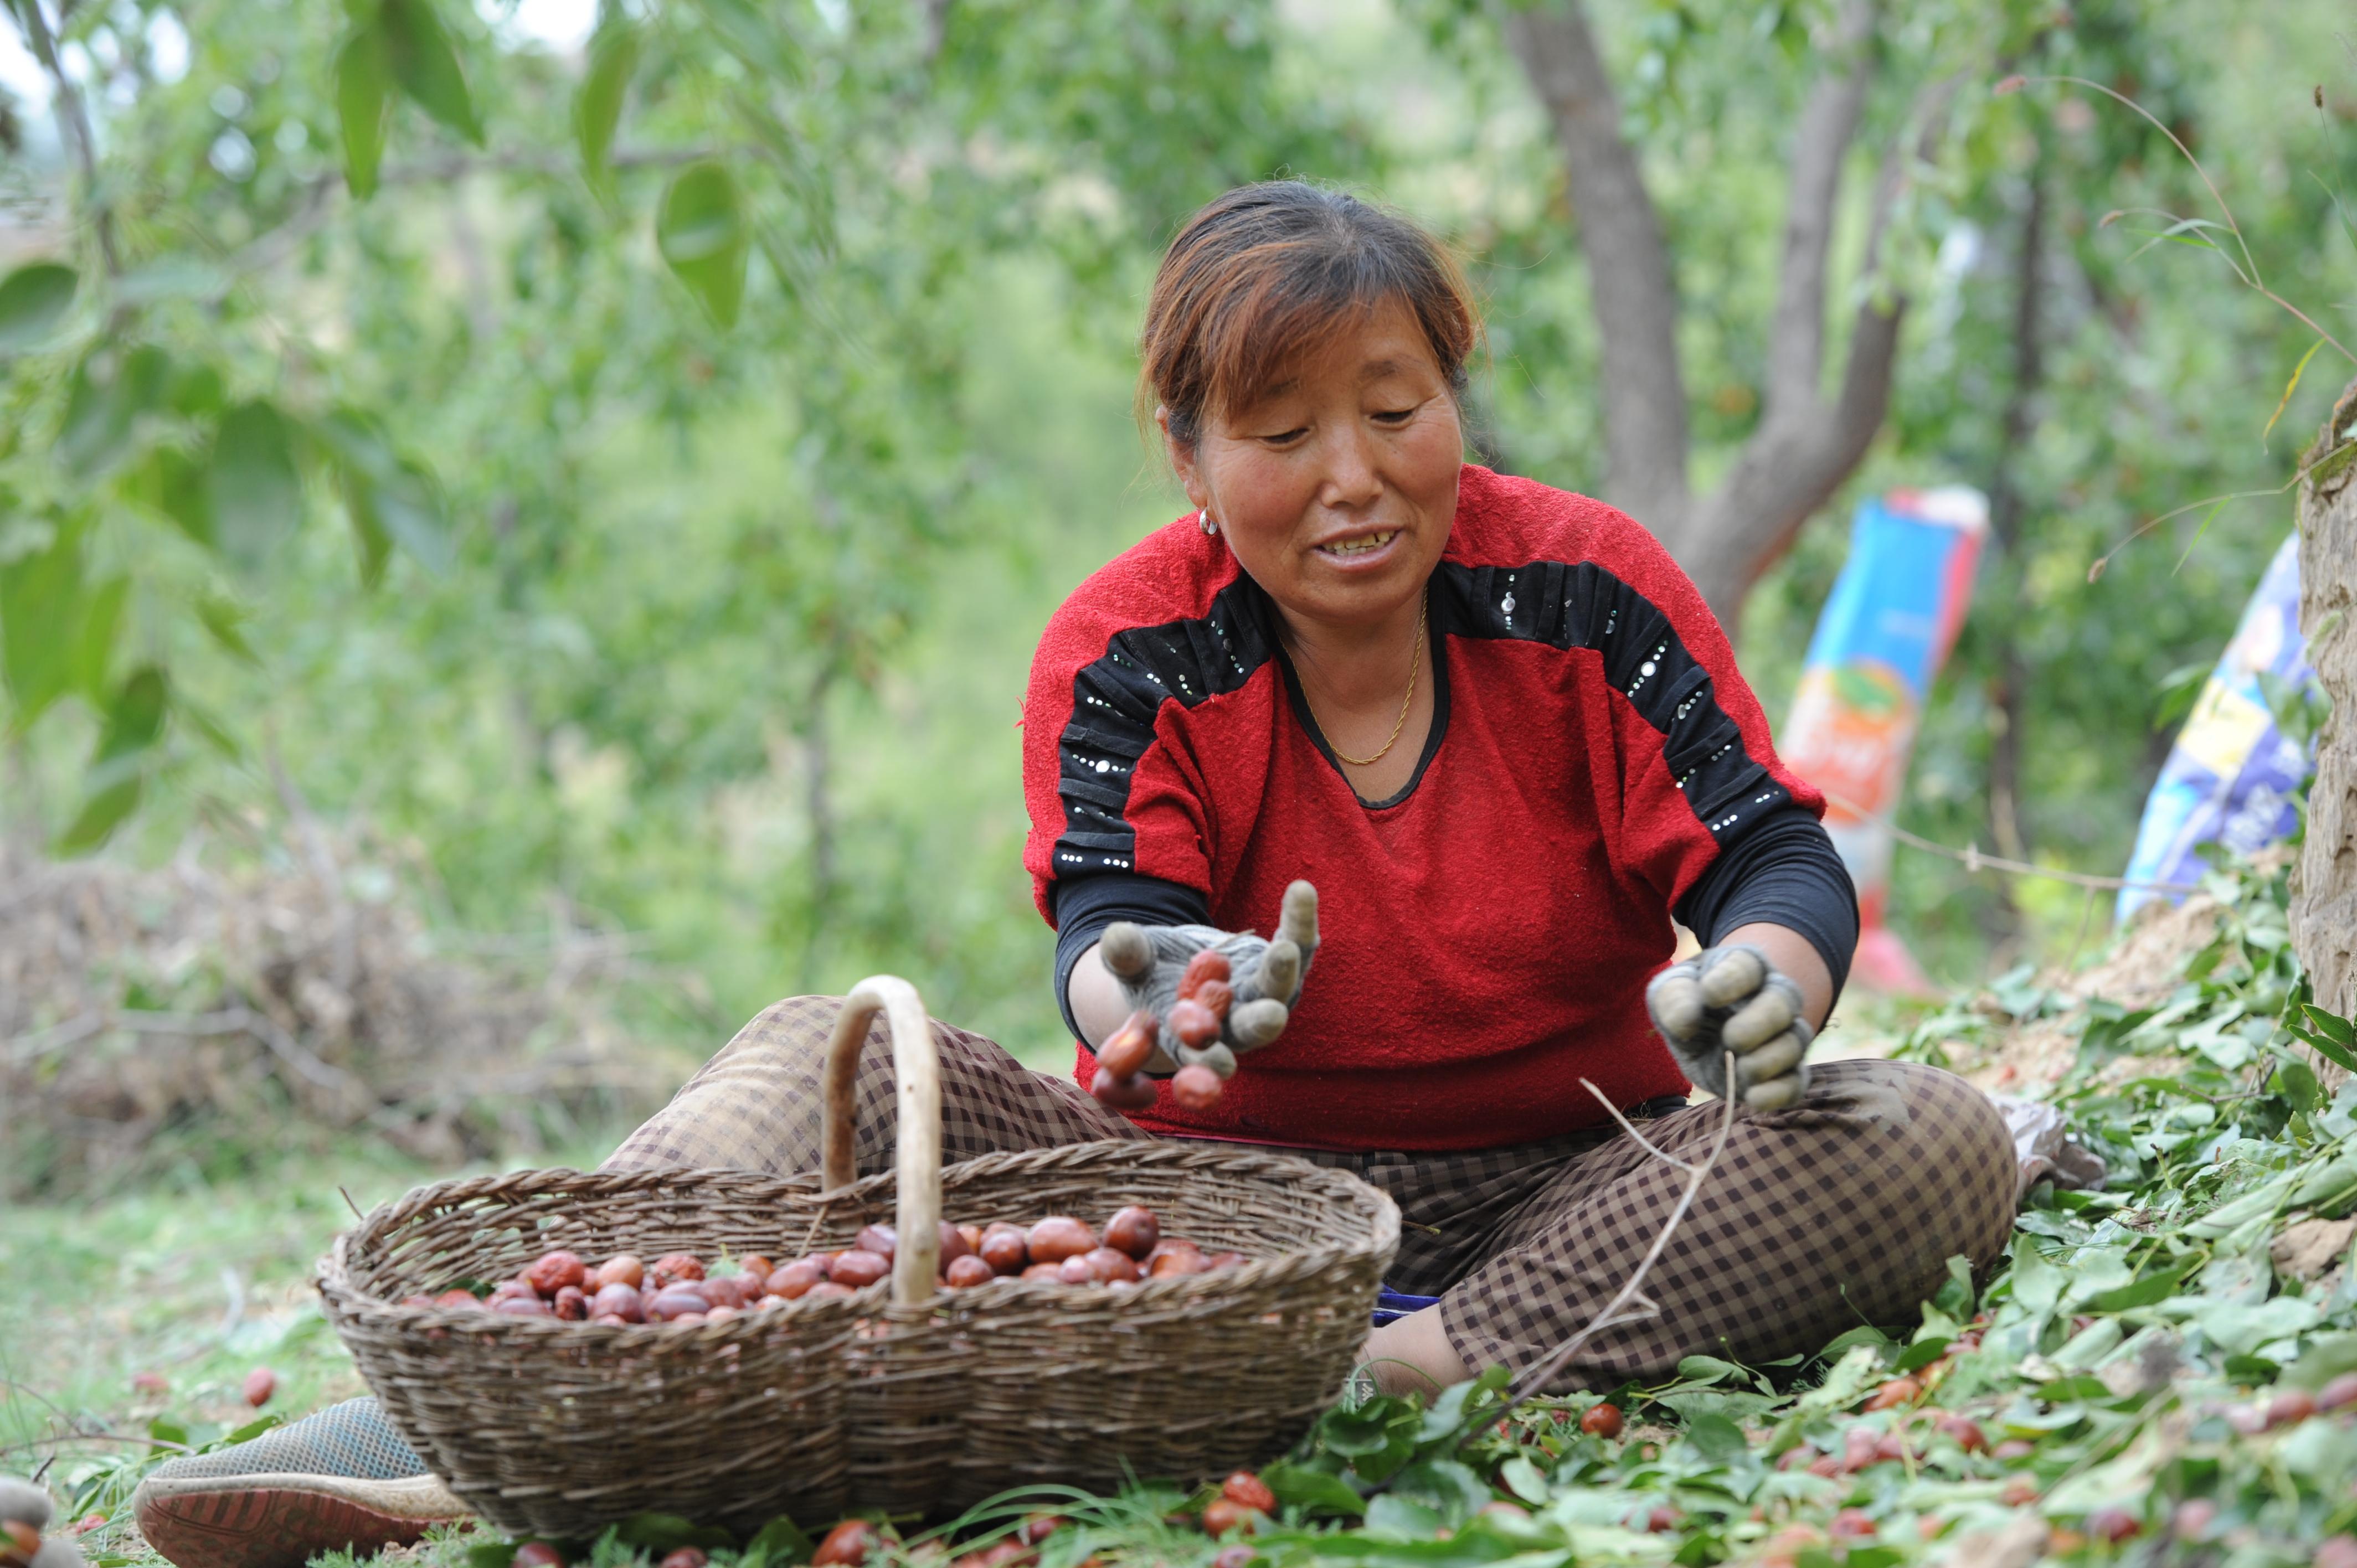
point(198, 1280)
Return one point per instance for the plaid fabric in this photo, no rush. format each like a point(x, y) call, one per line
point(1840, 1211)
point(755, 1106)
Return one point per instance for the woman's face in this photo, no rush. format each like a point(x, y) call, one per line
point(1336, 486)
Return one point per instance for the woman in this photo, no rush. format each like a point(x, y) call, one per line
point(1466, 745)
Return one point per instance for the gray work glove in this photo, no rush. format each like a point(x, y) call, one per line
point(1732, 999)
point(1265, 975)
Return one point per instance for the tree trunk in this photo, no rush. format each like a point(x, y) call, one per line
point(1810, 438)
point(1631, 283)
point(2007, 507)
point(2324, 884)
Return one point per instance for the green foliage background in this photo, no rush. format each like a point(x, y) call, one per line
point(655, 530)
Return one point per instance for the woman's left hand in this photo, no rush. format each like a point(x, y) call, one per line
point(1733, 1000)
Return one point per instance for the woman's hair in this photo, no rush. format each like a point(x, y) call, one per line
point(1270, 271)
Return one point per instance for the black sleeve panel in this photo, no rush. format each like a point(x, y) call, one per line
point(1786, 873)
point(1085, 906)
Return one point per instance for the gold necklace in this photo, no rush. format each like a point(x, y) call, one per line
point(1415, 664)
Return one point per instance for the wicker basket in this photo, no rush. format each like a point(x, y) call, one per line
point(558, 1428)
point(926, 1401)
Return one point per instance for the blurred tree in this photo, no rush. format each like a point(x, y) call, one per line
point(243, 327)
point(1806, 441)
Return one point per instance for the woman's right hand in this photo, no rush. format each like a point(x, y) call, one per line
point(1148, 962)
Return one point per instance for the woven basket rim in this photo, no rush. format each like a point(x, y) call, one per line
point(1353, 1196)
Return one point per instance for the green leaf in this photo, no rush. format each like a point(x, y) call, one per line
point(1846, 1383)
point(491, 1553)
point(373, 544)
point(1708, 1369)
point(1314, 1491)
point(750, 31)
point(1377, 1438)
point(109, 392)
point(2327, 1356)
point(408, 507)
point(1405, 1518)
point(256, 494)
point(363, 98)
point(165, 1430)
point(426, 65)
point(1447, 1488)
point(102, 812)
point(136, 718)
point(1865, 1335)
point(597, 107)
point(2326, 1047)
point(2037, 1282)
point(392, 499)
point(1456, 1408)
point(1717, 1439)
point(1521, 1477)
point(701, 230)
point(2240, 1329)
point(2331, 1025)
point(196, 390)
point(225, 619)
point(42, 610)
point(1956, 1297)
point(2296, 1081)
point(1873, 1557)
point(95, 645)
point(208, 726)
point(173, 482)
point(1922, 1353)
point(663, 1531)
point(32, 299)
point(778, 1543)
point(2291, 387)
point(2151, 1288)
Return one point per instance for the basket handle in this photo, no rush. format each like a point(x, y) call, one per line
point(916, 1068)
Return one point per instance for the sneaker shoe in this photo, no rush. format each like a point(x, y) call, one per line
point(339, 1479)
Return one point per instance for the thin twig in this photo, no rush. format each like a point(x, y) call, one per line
point(1974, 860)
point(228, 1021)
point(2096, 568)
point(75, 116)
point(1538, 1377)
point(99, 1436)
point(1628, 1127)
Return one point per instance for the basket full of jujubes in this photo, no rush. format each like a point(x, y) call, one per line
point(568, 1348)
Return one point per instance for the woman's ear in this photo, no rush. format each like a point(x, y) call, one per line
point(1182, 458)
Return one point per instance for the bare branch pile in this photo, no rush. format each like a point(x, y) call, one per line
point(233, 1000)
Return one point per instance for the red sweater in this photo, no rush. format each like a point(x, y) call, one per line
point(1487, 935)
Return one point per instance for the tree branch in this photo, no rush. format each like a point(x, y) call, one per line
point(74, 116)
point(1820, 146)
point(1631, 285)
point(1806, 445)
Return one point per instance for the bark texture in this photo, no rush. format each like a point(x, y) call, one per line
point(2324, 884)
point(1809, 437)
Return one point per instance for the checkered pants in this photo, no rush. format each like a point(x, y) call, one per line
point(1840, 1211)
